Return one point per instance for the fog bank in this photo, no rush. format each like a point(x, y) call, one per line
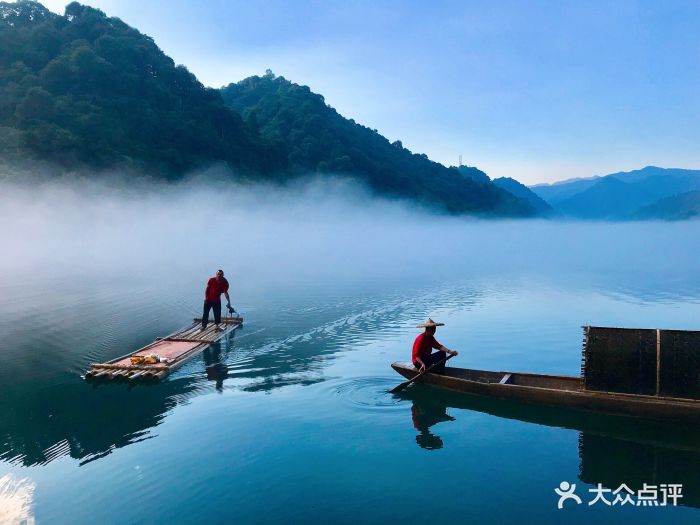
point(318, 231)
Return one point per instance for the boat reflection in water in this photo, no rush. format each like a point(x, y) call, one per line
point(612, 450)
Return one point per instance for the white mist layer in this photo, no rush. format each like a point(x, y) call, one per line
point(323, 231)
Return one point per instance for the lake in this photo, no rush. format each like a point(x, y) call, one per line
point(289, 419)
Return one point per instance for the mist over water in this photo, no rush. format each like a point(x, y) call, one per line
point(331, 281)
point(309, 232)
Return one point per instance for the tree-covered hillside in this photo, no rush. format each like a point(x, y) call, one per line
point(320, 140)
point(87, 88)
point(84, 89)
point(675, 208)
point(523, 192)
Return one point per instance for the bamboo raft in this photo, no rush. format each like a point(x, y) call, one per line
point(176, 348)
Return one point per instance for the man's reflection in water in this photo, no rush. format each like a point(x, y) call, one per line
point(216, 369)
point(425, 414)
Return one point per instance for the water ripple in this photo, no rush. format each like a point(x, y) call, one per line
point(366, 393)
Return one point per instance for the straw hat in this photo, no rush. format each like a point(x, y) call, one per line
point(429, 323)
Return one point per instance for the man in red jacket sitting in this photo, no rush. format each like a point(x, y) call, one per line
point(212, 299)
point(423, 346)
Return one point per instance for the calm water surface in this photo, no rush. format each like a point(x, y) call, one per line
point(289, 419)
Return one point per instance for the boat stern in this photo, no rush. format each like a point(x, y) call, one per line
point(407, 370)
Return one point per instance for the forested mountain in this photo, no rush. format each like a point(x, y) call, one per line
point(622, 195)
point(676, 208)
point(524, 193)
point(318, 139)
point(86, 88)
point(475, 174)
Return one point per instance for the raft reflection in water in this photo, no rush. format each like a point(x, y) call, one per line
point(612, 450)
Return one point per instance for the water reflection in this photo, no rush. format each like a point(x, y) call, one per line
point(85, 424)
point(612, 450)
point(16, 500)
point(216, 368)
point(612, 462)
point(56, 414)
point(48, 412)
point(426, 413)
point(89, 420)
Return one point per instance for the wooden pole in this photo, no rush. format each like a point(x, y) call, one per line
point(658, 362)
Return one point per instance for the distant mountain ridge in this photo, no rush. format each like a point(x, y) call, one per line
point(619, 196)
point(558, 191)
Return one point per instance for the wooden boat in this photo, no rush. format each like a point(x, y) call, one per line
point(175, 350)
point(555, 391)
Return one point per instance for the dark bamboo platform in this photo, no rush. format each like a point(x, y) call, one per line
point(177, 348)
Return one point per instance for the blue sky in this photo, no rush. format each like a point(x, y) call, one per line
point(535, 90)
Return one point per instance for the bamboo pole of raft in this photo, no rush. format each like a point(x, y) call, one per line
point(129, 367)
point(227, 320)
point(186, 340)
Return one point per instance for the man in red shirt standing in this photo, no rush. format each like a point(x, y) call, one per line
point(423, 346)
point(212, 299)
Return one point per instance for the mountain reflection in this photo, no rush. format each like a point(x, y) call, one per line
point(83, 421)
point(89, 420)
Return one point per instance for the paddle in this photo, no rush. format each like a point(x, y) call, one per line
point(403, 385)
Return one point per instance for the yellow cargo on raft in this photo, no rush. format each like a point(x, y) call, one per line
point(172, 352)
point(145, 359)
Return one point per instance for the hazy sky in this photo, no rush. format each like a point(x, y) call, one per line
point(539, 90)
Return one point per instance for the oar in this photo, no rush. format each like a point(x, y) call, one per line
point(403, 385)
